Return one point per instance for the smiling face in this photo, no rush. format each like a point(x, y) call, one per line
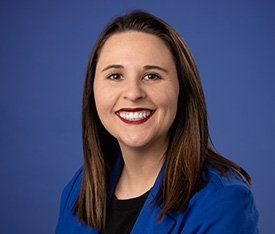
point(136, 89)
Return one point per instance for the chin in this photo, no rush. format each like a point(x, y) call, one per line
point(135, 145)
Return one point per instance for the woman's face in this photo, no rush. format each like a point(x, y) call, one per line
point(136, 89)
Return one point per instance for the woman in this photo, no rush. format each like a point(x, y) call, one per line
point(149, 166)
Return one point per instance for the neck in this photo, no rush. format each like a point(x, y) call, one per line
point(141, 168)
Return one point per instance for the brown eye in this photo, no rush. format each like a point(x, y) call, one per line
point(114, 76)
point(151, 77)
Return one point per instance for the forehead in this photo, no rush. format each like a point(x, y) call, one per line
point(132, 45)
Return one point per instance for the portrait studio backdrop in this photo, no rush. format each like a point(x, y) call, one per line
point(44, 51)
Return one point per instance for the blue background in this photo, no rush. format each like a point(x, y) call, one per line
point(44, 48)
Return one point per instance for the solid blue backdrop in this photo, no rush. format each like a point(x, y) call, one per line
point(44, 51)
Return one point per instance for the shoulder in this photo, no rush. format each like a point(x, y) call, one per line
point(218, 182)
point(71, 191)
point(224, 191)
point(68, 222)
point(224, 205)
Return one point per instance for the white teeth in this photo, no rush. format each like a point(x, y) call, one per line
point(134, 116)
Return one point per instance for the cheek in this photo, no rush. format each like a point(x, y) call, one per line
point(100, 94)
point(105, 99)
point(168, 106)
point(168, 98)
point(102, 108)
point(100, 101)
point(171, 104)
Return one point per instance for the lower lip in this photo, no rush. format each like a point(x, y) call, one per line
point(135, 122)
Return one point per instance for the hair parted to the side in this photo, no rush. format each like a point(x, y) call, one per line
point(190, 149)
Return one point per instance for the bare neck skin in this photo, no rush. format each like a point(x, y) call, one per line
point(141, 168)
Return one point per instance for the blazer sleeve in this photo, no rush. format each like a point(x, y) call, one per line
point(229, 210)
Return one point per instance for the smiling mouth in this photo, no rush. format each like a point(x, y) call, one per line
point(134, 116)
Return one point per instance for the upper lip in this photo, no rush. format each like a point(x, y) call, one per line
point(134, 109)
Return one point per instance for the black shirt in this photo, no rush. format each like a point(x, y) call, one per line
point(122, 214)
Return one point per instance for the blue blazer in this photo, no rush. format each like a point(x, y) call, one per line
point(223, 206)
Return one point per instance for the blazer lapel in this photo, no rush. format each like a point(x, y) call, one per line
point(147, 221)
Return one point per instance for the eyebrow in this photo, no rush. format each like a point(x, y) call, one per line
point(154, 67)
point(146, 67)
point(117, 66)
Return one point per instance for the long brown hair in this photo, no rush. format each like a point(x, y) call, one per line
point(190, 150)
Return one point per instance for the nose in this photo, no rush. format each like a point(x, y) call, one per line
point(134, 91)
